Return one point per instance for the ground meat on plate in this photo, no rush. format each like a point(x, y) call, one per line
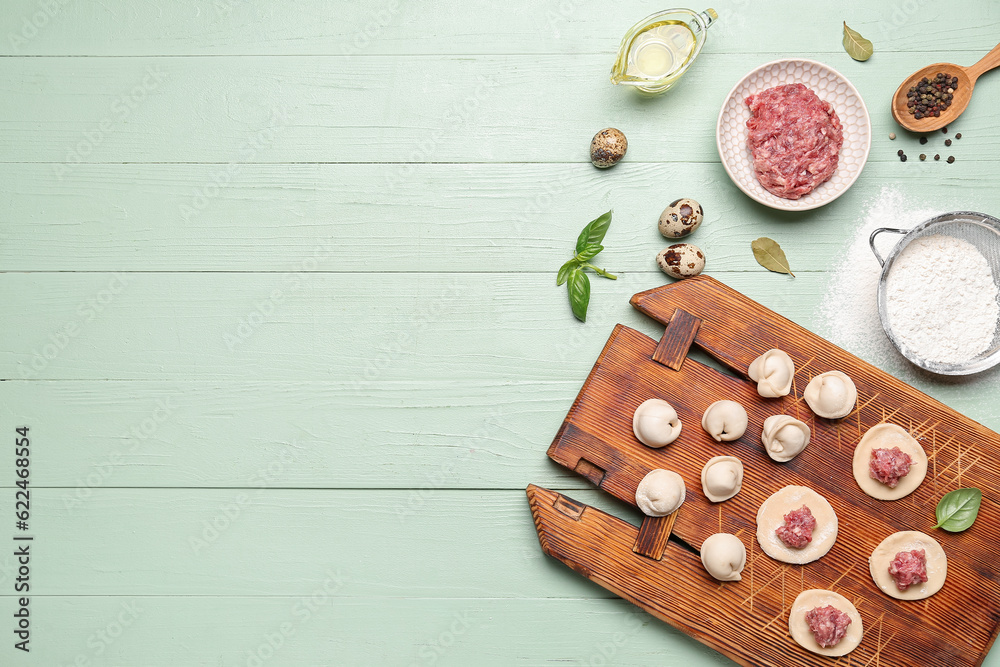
point(889, 466)
point(794, 138)
point(798, 529)
point(908, 568)
point(828, 625)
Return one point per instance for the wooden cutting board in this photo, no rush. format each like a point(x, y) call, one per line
point(657, 567)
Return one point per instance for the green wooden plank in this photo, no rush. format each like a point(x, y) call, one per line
point(321, 630)
point(409, 326)
point(513, 108)
point(437, 543)
point(408, 435)
point(61, 27)
point(442, 217)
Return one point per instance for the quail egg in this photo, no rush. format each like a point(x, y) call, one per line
point(608, 148)
point(680, 218)
point(681, 260)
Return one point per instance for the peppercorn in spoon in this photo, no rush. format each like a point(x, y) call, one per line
point(923, 103)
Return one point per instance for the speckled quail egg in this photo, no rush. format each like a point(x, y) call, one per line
point(681, 260)
point(608, 148)
point(680, 218)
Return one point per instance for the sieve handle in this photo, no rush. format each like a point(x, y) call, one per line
point(871, 240)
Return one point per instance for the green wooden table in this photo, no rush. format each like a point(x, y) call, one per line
point(279, 306)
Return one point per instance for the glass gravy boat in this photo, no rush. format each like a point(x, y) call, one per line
point(657, 50)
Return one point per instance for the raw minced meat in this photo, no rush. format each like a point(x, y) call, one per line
point(889, 466)
point(828, 625)
point(795, 139)
point(798, 529)
point(909, 568)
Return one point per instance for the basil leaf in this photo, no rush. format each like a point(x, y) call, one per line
point(857, 46)
point(594, 232)
point(958, 510)
point(564, 270)
point(579, 293)
point(589, 252)
point(769, 254)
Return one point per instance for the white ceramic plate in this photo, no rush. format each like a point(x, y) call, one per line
point(831, 86)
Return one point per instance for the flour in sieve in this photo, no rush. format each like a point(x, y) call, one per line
point(941, 299)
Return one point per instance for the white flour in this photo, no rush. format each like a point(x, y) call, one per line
point(942, 300)
point(848, 314)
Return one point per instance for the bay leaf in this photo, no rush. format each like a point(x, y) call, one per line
point(769, 254)
point(857, 46)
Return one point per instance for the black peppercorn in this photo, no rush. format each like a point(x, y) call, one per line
point(922, 157)
point(958, 136)
point(944, 130)
point(951, 158)
point(923, 140)
point(947, 142)
point(899, 152)
point(902, 158)
point(937, 157)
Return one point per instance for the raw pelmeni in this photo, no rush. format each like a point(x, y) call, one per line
point(773, 372)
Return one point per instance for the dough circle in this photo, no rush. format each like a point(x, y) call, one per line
point(831, 395)
point(773, 372)
point(725, 421)
point(887, 436)
point(771, 516)
point(784, 437)
point(655, 423)
point(722, 478)
point(724, 556)
point(798, 628)
point(661, 492)
point(908, 540)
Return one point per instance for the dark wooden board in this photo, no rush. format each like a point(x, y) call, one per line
point(747, 620)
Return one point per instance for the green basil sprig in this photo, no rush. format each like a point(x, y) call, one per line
point(588, 245)
point(958, 510)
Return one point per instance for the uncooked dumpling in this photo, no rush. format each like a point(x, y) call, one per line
point(784, 437)
point(722, 478)
point(660, 493)
point(655, 423)
point(936, 564)
point(771, 516)
point(725, 421)
point(724, 556)
point(816, 598)
point(892, 442)
point(773, 372)
point(831, 395)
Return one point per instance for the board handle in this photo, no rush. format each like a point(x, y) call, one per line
point(677, 339)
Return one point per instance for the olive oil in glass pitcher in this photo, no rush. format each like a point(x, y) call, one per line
point(656, 51)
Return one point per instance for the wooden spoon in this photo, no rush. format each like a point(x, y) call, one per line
point(966, 82)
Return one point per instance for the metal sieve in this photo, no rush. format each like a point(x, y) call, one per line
point(979, 229)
